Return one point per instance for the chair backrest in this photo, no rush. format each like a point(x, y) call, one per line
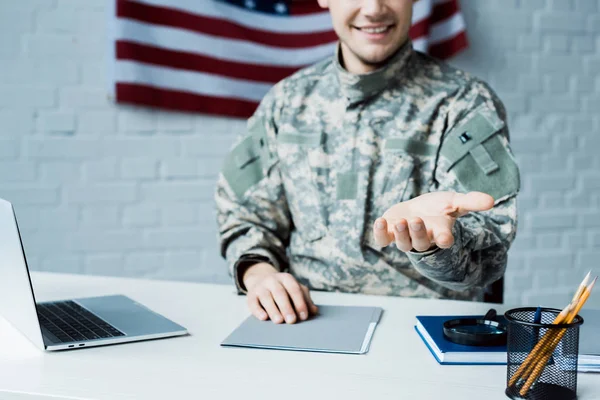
point(494, 293)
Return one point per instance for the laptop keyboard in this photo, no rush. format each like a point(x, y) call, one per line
point(70, 322)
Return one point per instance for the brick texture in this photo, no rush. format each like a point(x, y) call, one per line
point(554, 135)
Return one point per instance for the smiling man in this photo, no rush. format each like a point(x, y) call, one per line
point(369, 31)
point(379, 171)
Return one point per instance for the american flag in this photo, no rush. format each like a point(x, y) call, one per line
point(222, 56)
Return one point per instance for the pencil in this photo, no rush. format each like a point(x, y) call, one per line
point(581, 287)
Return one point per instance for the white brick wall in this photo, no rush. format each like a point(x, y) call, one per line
point(112, 190)
point(542, 57)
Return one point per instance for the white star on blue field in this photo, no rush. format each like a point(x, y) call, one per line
point(273, 7)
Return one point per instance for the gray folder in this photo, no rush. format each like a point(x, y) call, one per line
point(336, 329)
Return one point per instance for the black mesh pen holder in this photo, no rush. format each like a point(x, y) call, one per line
point(534, 371)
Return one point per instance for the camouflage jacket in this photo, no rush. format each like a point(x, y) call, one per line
point(327, 152)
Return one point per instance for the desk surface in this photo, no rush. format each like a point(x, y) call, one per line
point(398, 364)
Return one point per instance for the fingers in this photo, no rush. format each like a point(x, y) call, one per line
point(381, 234)
point(255, 308)
point(311, 305)
point(472, 201)
point(402, 236)
point(266, 300)
point(443, 238)
point(418, 233)
point(297, 295)
point(282, 299)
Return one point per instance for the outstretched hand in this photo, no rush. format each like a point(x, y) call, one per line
point(426, 221)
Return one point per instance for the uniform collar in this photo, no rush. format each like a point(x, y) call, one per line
point(357, 87)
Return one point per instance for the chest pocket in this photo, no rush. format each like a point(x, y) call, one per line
point(300, 182)
point(401, 158)
point(478, 154)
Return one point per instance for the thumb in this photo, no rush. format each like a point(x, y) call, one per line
point(463, 204)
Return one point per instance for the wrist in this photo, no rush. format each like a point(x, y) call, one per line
point(256, 272)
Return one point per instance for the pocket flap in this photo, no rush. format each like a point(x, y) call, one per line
point(242, 168)
point(468, 135)
point(244, 153)
point(261, 146)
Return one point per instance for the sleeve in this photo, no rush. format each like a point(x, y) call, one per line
point(475, 155)
point(252, 213)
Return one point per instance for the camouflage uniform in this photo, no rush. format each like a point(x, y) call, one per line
point(328, 152)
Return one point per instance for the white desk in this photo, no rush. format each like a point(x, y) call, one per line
point(398, 366)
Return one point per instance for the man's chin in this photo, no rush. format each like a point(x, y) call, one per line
point(375, 59)
point(375, 55)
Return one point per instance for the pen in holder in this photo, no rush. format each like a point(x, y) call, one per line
point(537, 319)
point(547, 371)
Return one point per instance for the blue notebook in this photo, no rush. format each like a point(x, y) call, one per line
point(430, 328)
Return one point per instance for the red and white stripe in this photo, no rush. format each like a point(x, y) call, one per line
point(211, 57)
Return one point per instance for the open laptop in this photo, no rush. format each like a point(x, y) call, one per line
point(68, 324)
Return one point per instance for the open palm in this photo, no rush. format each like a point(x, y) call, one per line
point(427, 221)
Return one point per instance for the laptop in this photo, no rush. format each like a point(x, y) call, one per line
point(70, 323)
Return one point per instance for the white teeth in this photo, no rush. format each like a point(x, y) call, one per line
point(375, 30)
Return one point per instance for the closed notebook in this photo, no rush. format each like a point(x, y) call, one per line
point(336, 329)
point(430, 328)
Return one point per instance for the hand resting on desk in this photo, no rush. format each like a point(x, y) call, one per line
point(270, 292)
